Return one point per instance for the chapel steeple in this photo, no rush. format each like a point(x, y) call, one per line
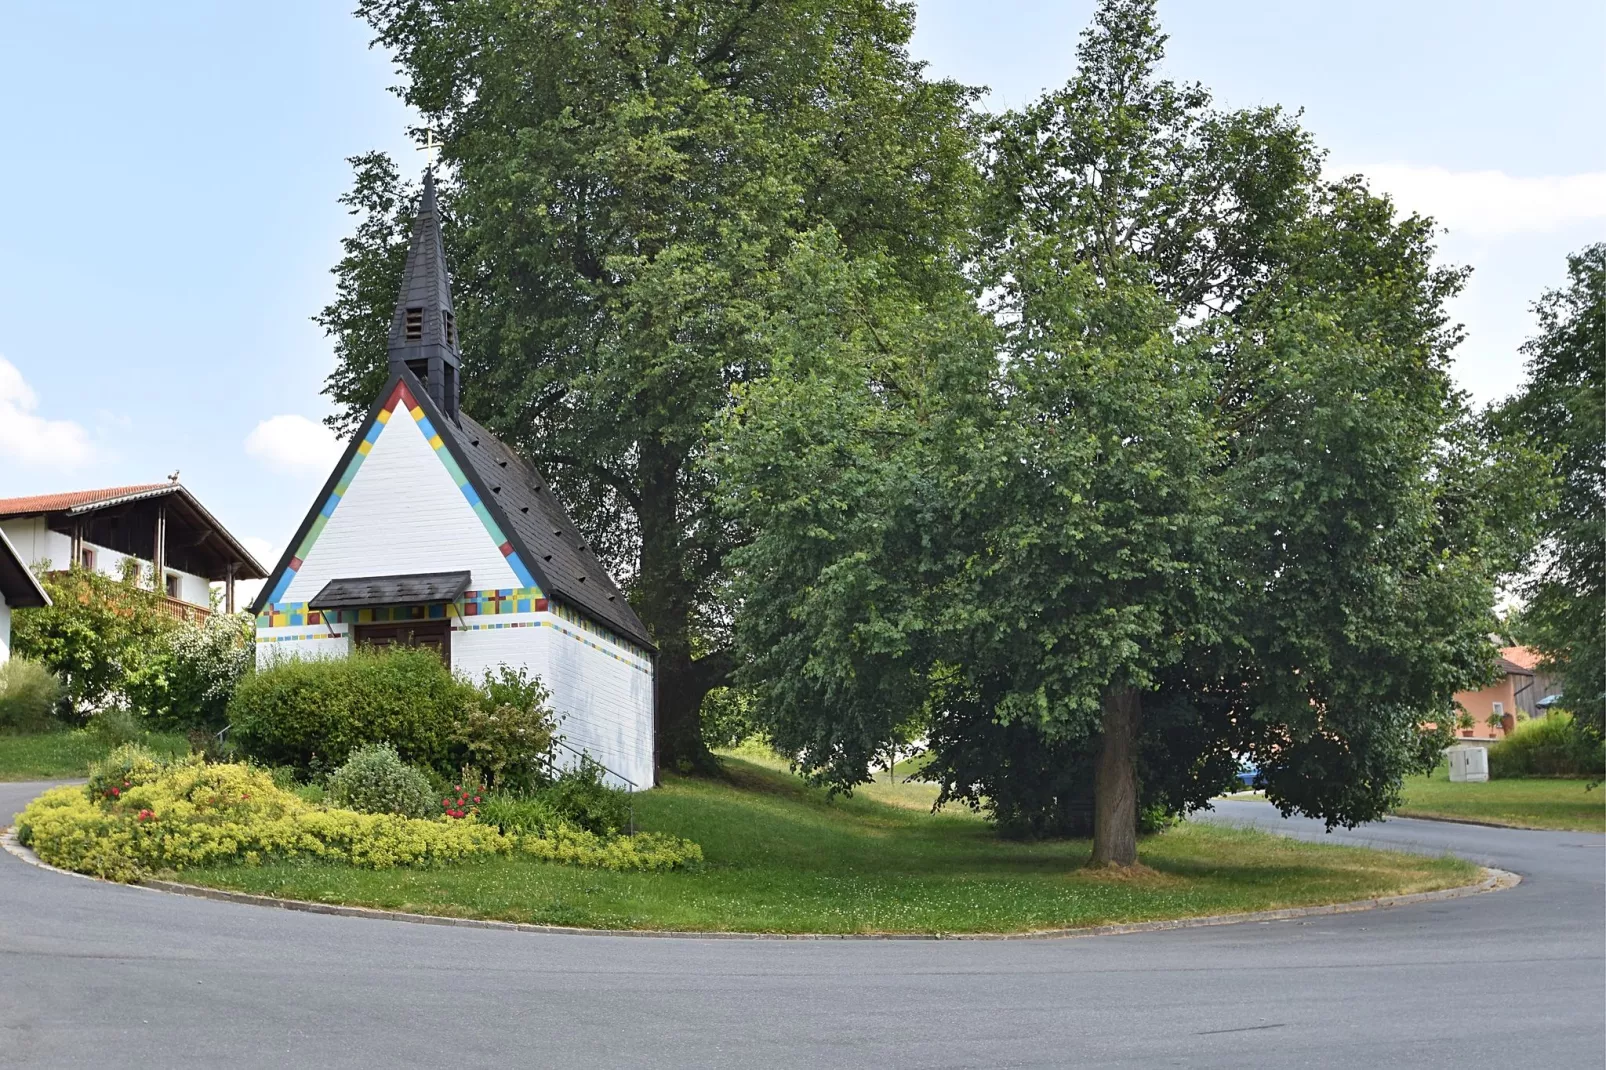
point(423, 331)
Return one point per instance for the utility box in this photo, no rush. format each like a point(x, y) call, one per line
point(1468, 765)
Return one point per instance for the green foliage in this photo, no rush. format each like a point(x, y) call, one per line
point(296, 710)
point(580, 797)
point(374, 780)
point(127, 766)
point(1203, 460)
point(579, 847)
point(29, 694)
point(627, 180)
point(728, 717)
point(1561, 412)
point(188, 680)
point(1552, 746)
point(140, 816)
point(97, 634)
point(508, 734)
point(115, 726)
point(519, 814)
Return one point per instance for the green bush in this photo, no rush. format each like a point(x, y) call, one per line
point(143, 816)
point(115, 726)
point(29, 693)
point(374, 780)
point(507, 734)
point(314, 713)
point(129, 766)
point(519, 816)
point(579, 797)
point(1548, 747)
point(191, 676)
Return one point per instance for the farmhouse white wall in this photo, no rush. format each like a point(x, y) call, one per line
point(402, 514)
point(5, 630)
point(36, 543)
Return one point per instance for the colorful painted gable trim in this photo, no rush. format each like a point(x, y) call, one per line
point(472, 604)
point(401, 399)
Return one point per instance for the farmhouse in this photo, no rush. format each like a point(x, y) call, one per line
point(160, 528)
point(431, 532)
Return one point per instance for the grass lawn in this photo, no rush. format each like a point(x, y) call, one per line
point(64, 755)
point(1550, 804)
point(782, 857)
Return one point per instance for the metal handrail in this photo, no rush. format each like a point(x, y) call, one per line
point(630, 790)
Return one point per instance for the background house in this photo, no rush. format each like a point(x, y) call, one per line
point(1517, 690)
point(18, 589)
point(161, 526)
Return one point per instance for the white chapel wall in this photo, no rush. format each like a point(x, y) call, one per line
point(402, 514)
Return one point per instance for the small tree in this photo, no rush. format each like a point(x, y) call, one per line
point(97, 633)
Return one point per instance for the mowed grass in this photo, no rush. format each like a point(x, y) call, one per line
point(783, 857)
point(64, 754)
point(1531, 803)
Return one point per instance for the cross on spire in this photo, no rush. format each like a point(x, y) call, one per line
point(430, 145)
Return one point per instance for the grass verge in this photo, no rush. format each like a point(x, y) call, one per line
point(1535, 803)
point(783, 857)
point(66, 754)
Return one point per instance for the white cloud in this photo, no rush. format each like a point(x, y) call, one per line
point(30, 438)
point(1490, 204)
point(295, 444)
point(266, 553)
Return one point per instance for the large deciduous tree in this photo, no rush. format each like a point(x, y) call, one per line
point(1197, 487)
point(624, 182)
point(1561, 411)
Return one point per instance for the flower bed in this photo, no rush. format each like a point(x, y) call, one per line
point(139, 816)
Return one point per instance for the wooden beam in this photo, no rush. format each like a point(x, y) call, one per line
point(228, 589)
point(159, 555)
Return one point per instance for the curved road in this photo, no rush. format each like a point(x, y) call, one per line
point(96, 975)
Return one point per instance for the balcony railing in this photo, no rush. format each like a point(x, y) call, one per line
point(179, 609)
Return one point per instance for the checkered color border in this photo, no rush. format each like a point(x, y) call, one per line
point(401, 399)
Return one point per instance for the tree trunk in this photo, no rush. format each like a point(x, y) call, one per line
point(1115, 781)
point(663, 598)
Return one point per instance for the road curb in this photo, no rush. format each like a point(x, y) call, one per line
point(1493, 880)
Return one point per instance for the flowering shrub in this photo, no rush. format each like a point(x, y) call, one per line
point(191, 675)
point(464, 800)
point(139, 816)
point(375, 780)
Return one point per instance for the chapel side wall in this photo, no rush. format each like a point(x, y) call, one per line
point(603, 696)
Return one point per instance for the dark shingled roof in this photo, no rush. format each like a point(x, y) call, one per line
point(558, 552)
point(414, 589)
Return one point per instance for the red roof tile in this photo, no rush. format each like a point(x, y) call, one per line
point(1521, 655)
point(51, 503)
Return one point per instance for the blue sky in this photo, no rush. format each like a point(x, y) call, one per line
point(170, 173)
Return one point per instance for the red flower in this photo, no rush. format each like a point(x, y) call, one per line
point(117, 791)
point(446, 802)
point(476, 798)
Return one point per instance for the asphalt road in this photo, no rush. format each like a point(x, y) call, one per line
point(97, 975)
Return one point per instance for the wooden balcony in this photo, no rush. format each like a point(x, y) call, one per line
point(181, 610)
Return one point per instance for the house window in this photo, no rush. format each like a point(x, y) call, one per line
point(86, 557)
point(414, 324)
point(172, 585)
point(1497, 708)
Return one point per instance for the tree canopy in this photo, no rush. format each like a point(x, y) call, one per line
point(1561, 412)
point(1102, 445)
point(1194, 486)
point(624, 182)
